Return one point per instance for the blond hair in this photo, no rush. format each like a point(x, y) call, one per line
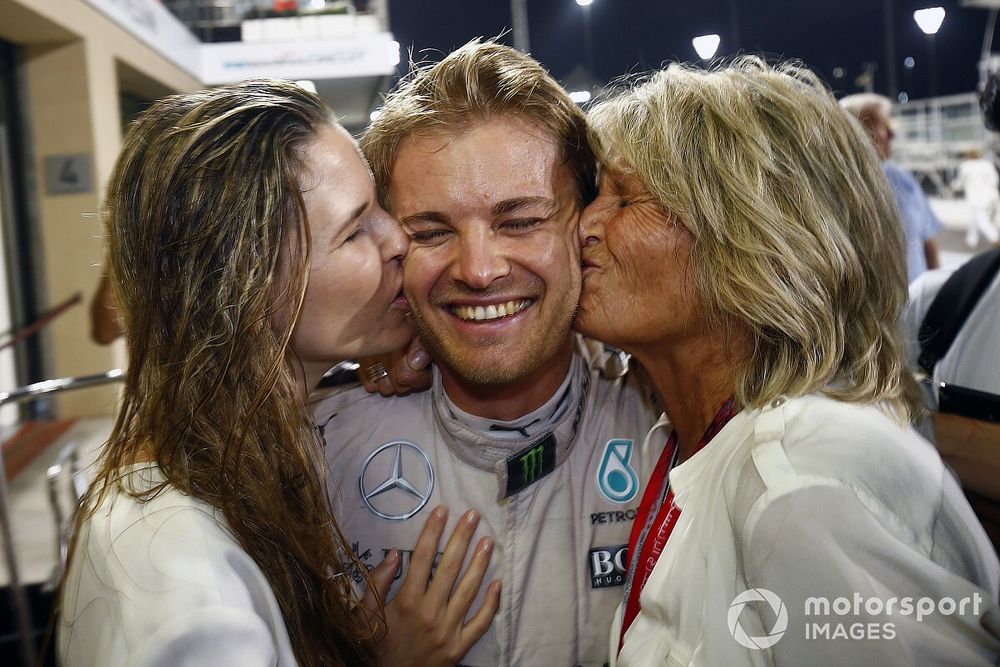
point(205, 200)
point(477, 82)
point(796, 236)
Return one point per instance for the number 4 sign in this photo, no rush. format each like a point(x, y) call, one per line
point(67, 174)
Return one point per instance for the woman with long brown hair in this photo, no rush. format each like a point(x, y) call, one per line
point(248, 254)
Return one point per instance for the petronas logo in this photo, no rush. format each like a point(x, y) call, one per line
point(616, 479)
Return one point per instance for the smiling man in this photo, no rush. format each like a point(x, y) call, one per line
point(484, 159)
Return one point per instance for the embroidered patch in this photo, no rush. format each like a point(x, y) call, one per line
point(531, 464)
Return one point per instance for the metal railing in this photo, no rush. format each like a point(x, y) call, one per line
point(932, 134)
point(18, 596)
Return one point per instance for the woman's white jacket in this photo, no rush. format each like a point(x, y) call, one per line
point(821, 532)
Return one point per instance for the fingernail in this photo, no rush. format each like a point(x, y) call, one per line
point(485, 546)
point(440, 512)
point(472, 516)
point(392, 556)
point(419, 359)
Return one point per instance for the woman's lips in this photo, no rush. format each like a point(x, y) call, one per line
point(401, 302)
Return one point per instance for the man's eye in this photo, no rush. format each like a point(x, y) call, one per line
point(522, 224)
point(623, 203)
point(428, 235)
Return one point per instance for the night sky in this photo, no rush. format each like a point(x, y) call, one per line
point(636, 35)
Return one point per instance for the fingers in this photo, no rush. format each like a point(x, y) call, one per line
point(467, 589)
point(426, 621)
point(381, 578)
point(385, 386)
point(417, 357)
point(372, 372)
point(409, 371)
point(480, 622)
point(451, 561)
point(380, 583)
point(396, 373)
point(424, 553)
point(414, 373)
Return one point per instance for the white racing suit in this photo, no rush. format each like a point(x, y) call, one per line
point(559, 504)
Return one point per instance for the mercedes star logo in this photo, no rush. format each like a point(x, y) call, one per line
point(386, 490)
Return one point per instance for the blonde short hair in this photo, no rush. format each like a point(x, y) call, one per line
point(796, 235)
point(479, 81)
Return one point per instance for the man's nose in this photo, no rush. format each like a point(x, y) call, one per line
point(482, 259)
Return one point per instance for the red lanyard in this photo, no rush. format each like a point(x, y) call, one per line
point(657, 515)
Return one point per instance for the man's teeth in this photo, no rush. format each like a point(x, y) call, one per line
point(490, 312)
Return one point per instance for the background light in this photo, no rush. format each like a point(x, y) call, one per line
point(839, 72)
point(580, 96)
point(584, 3)
point(706, 45)
point(306, 84)
point(903, 97)
point(908, 62)
point(393, 53)
point(929, 19)
point(374, 114)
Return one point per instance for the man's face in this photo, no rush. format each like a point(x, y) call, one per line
point(493, 272)
point(879, 126)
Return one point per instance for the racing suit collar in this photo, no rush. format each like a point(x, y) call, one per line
point(536, 423)
point(472, 440)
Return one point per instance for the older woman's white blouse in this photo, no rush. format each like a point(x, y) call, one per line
point(163, 582)
point(814, 498)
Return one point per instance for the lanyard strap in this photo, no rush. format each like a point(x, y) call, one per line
point(656, 497)
point(658, 510)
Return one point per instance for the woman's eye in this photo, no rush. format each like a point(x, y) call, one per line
point(358, 231)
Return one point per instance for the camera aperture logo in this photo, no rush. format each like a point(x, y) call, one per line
point(780, 615)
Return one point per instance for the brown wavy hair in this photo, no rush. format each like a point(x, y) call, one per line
point(204, 201)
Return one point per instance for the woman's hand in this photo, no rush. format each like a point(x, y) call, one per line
point(426, 619)
point(401, 371)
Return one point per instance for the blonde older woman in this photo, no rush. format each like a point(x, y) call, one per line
point(742, 248)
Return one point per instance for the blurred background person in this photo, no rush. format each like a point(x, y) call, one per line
point(952, 319)
point(743, 248)
point(920, 224)
point(977, 178)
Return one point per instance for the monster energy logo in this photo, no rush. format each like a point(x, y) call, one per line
point(531, 464)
